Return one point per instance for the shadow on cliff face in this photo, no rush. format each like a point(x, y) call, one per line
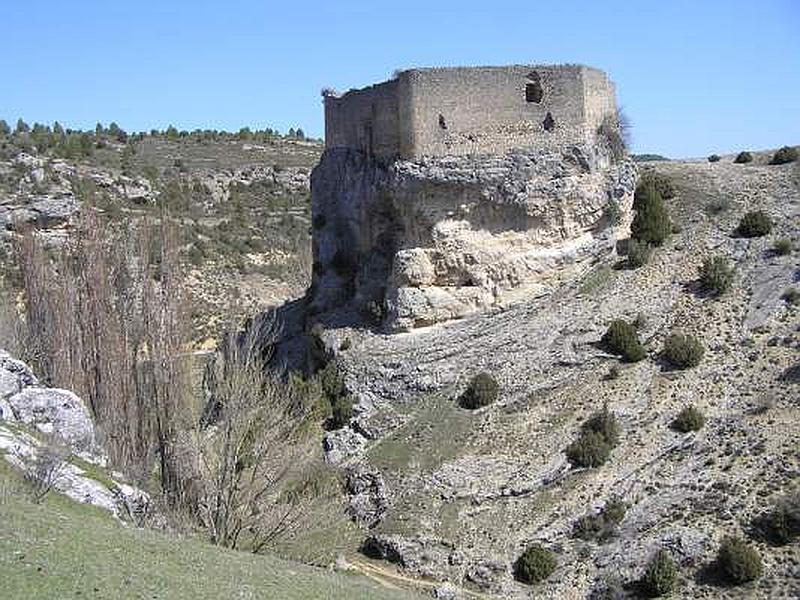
point(357, 231)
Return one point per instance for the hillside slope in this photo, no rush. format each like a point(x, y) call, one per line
point(468, 491)
point(61, 549)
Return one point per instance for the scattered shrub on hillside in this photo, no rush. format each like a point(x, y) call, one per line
point(613, 373)
point(784, 155)
point(651, 224)
point(714, 158)
point(781, 525)
point(689, 419)
point(589, 450)
point(716, 275)
point(481, 391)
point(536, 564)
point(782, 247)
point(605, 423)
point(639, 254)
point(599, 435)
point(738, 561)
point(754, 224)
point(683, 351)
point(601, 526)
point(661, 575)
point(662, 183)
point(743, 157)
point(334, 390)
point(341, 411)
point(791, 296)
point(621, 338)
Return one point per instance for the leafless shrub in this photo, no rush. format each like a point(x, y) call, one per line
point(250, 457)
point(45, 469)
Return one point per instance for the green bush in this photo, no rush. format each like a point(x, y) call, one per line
point(621, 338)
point(738, 561)
point(784, 155)
point(605, 423)
point(662, 183)
point(716, 275)
point(638, 254)
point(339, 400)
point(589, 450)
point(481, 391)
point(743, 157)
point(341, 411)
point(651, 223)
point(683, 351)
point(754, 224)
point(602, 525)
point(781, 525)
point(782, 247)
point(661, 574)
point(713, 158)
point(599, 434)
point(536, 564)
point(689, 419)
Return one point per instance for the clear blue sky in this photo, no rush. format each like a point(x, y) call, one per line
point(694, 76)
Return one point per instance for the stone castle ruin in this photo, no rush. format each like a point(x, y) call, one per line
point(447, 191)
point(458, 111)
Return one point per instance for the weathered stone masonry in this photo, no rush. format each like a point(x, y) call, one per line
point(465, 110)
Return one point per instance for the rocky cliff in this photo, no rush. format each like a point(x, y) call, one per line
point(412, 243)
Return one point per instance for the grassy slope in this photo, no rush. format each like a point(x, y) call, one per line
point(60, 549)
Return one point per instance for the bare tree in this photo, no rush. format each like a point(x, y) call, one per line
point(251, 455)
point(105, 318)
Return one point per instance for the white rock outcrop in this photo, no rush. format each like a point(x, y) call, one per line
point(424, 241)
point(32, 417)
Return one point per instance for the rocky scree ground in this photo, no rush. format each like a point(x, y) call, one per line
point(456, 495)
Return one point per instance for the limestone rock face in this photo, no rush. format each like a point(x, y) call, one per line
point(425, 241)
point(50, 410)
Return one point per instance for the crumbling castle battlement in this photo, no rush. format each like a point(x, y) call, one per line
point(471, 110)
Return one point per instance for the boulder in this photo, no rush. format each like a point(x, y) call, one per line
point(368, 498)
point(56, 412)
point(52, 211)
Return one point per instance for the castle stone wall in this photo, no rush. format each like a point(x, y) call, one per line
point(471, 110)
point(365, 120)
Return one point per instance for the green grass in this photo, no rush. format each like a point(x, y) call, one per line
point(62, 549)
point(419, 443)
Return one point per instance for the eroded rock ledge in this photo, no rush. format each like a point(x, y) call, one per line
point(410, 244)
